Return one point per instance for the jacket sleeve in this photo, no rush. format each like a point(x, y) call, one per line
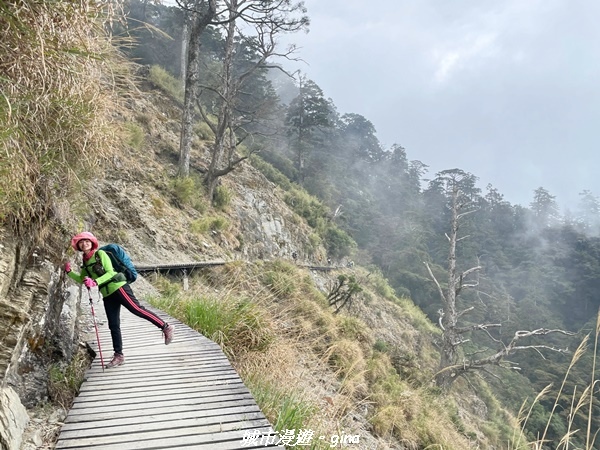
point(108, 268)
point(75, 276)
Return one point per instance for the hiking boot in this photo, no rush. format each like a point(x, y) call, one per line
point(117, 360)
point(168, 331)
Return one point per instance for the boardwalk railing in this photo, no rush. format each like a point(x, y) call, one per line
point(144, 268)
point(182, 396)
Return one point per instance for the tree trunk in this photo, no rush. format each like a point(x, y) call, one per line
point(198, 23)
point(185, 40)
point(223, 140)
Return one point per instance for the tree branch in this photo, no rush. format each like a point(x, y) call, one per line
point(440, 290)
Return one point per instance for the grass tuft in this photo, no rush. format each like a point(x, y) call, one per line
point(64, 381)
point(167, 83)
point(55, 112)
point(236, 324)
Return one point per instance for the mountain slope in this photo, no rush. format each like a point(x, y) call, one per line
point(365, 371)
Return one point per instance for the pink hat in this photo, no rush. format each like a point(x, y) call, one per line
point(85, 235)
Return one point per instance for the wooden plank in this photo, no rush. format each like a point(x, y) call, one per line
point(157, 361)
point(134, 389)
point(140, 391)
point(221, 403)
point(101, 416)
point(200, 423)
point(142, 268)
point(206, 434)
point(138, 365)
point(123, 421)
point(133, 362)
point(175, 378)
point(158, 396)
point(122, 376)
point(129, 370)
point(196, 400)
point(228, 445)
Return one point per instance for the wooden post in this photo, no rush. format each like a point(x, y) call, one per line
point(185, 280)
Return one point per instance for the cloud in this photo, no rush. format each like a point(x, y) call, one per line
point(505, 90)
point(463, 55)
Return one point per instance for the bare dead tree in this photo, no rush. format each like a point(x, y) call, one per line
point(263, 22)
point(200, 14)
point(453, 363)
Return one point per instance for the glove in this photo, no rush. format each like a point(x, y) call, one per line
point(89, 283)
point(67, 267)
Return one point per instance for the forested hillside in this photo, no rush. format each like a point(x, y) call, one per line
point(535, 268)
point(507, 293)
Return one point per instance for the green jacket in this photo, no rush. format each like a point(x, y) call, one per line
point(105, 282)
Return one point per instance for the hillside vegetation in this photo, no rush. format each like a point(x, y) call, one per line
point(91, 141)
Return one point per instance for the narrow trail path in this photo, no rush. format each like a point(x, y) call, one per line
point(182, 396)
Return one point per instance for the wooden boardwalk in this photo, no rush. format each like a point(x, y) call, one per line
point(182, 396)
point(144, 268)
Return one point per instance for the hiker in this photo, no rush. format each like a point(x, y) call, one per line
point(97, 270)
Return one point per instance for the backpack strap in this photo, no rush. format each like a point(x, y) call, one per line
point(86, 268)
point(98, 260)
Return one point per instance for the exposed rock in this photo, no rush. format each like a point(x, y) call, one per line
point(13, 419)
point(38, 326)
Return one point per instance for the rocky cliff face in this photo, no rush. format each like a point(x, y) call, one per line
point(38, 326)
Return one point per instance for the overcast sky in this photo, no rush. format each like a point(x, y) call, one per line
point(507, 90)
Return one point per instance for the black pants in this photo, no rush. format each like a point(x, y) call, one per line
point(112, 305)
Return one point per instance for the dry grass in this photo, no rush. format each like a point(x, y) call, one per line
point(339, 348)
point(586, 399)
point(311, 343)
point(54, 107)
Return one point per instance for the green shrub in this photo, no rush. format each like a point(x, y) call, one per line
point(285, 409)
point(280, 162)
point(380, 284)
point(64, 381)
point(354, 328)
point(135, 135)
point(188, 191)
point(203, 131)
point(55, 115)
point(281, 284)
point(338, 243)
point(211, 223)
point(221, 197)
point(271, 173)
point(381, 346)
point(236, 324)
point(283, 266)
point(307, 206)
point(167, 288)
point(314, 240)
point(167, 83)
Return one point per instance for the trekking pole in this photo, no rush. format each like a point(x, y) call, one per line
point(96, 327)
